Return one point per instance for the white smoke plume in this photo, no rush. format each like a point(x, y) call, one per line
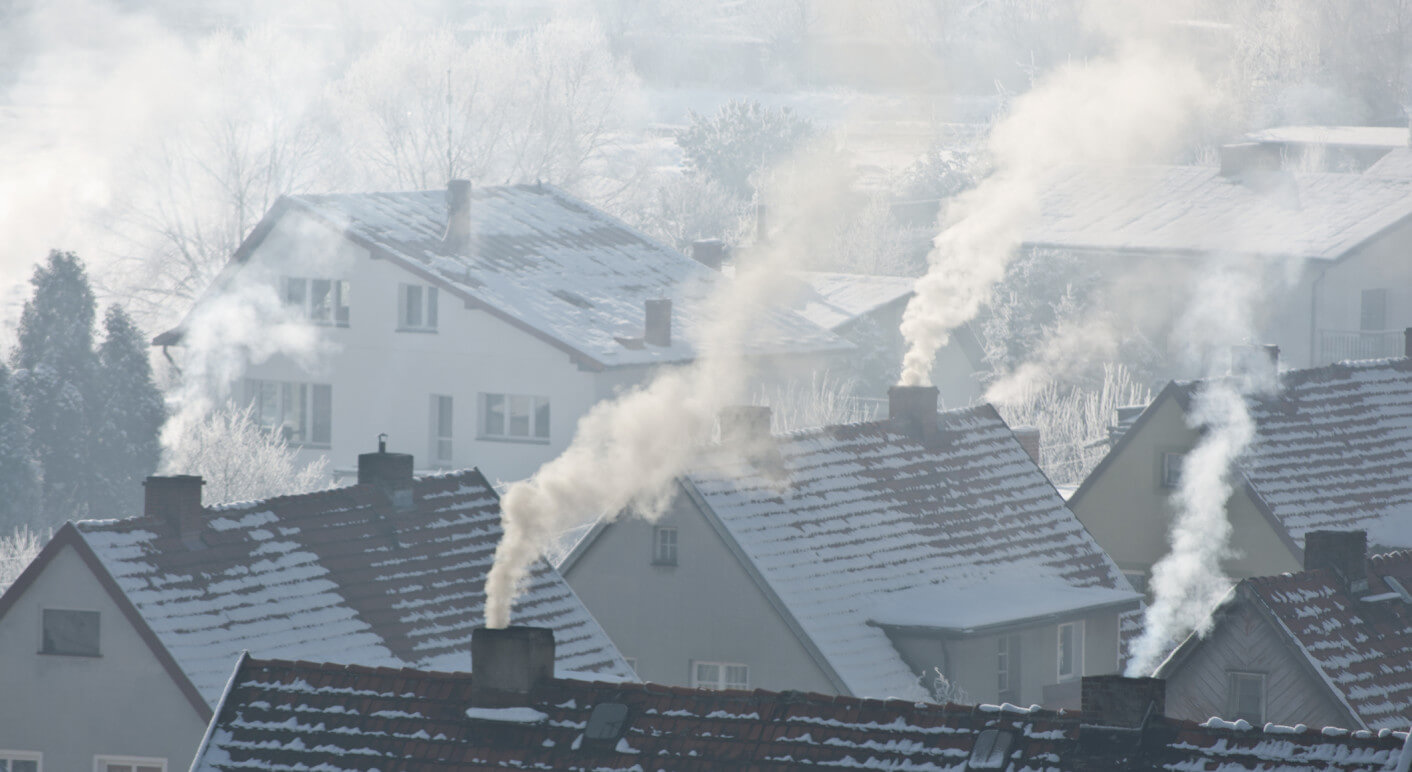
point(1139, 104)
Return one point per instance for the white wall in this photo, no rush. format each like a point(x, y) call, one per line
point(1384, 264)
point(73, 708)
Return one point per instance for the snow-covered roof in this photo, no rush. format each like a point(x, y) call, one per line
point(846, 517)
point(1333, 450)
point(1397, 163)
point(968, 609)
point(1346, 136)
point(555, 266)
point(1194, 210)
point(290, 716)
point(337, 576)
point(832, 300)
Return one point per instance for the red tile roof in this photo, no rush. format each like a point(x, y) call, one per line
point(281, 715)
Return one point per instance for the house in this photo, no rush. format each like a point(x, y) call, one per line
point(1332, 148)
point(279, 715)
point(477, 325)
point(117, 641)
point(1331, 644)
point(921, 556)
point(1332, 449)
point(1331, 246)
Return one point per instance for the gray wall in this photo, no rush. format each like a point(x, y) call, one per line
point(704, 608)
point(1244, 642)
point(73, 708)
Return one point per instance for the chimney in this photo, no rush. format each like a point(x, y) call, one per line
point(1246, 157)
point(657, 327)
point(1344, 553)
point(1029, 440)
point(744, 423)
point(1407, 342)
point(709, 252)
point(508, 663)
point(175, 500)
point(458, 217)
point(912, 411)
point(1125, 703)
point(1260, 362)
point(390, 473)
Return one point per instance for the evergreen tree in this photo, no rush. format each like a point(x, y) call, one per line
point(19, 474)
point(127, 421)
point(55, 367)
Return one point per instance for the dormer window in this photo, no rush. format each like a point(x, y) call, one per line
point(321, 301)
point(416, 308)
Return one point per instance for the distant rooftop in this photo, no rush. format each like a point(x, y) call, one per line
point(1345, 136)
point(833, 300)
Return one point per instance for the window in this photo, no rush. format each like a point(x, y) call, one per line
point(21, 761)
point(441, 428)
point(74, 633)
point(1071, 650)
point(323, 301)
point(1171, 470)
point(1246, 698)
point(1372, 312)
point(301, 412)
point(515, 417)
point(128, 764)
point(664, 546)
point(720, 675)
point(1007, 667)
point(416, 307)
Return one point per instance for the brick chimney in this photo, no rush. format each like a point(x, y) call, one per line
point(508, 663)
point(912, 411)
point(745, 423)
point(709, 252)
point(1245, 158)
point(1029, 437)
point(390, 473)
point(657, 324)
point(458, 217)
point(1345, 553)
point(176, 501)
point(1125, 703)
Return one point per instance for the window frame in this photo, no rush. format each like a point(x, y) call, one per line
point(428, 307)
point(1169, 475)
point(721, 683)
point(336, 310)
point(1076, 655)
point(309, 404)
point(1007, 664)
point(102, 759)
point(1232, 698)
point(10, 756)
point(661, 556)
point(97, 633)
point(538, 419)
point(438, 422)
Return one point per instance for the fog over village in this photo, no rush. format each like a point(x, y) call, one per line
point(762, 384)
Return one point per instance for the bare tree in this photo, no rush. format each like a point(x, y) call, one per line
point(823, 400)
point(17, 550)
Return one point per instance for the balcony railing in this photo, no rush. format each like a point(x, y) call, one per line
point(1337, 345)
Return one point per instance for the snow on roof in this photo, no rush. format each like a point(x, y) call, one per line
point(302, 716)
point(1347, 136)
point(1186, 209)
point(1361, 644)
point(865, 512)
point(1333, 449)
point(336, 576)
point(555, 264)
point(832, 300)
point(966, 609)
point(1397, 163)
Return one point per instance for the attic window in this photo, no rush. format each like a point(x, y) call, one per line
point(71, 633)
point(607, 721)
point(571, 298)
point(991, 750)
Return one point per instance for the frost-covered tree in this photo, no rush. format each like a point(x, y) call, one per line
point(742, 138)
point(19, 473)
point(18, 548)
point(240, 460)
point(823, 400)
point(681, 209)
point(127, 421)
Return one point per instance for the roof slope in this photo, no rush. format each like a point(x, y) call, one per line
point(866, 512)
point(562, 268)
point(1175, 209)
point(300, 716)
point(1362, 647)
point(1333, 449)
point(337, 575)
point(832, 300)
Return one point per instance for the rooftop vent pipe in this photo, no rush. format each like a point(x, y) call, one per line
point(457, 240)
point(508, 663)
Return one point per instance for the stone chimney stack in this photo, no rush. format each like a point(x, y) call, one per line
point(1345, 553)
point(1029, 438)
point(390, 473)
point(709, 252)
point(458, 217)
point(508, 663)
point(1125, 703)
point(746, 424)
point(176, 501)
point(657, 325)
point(912, 411)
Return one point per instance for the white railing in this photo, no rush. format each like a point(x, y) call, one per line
point(1337, 345)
